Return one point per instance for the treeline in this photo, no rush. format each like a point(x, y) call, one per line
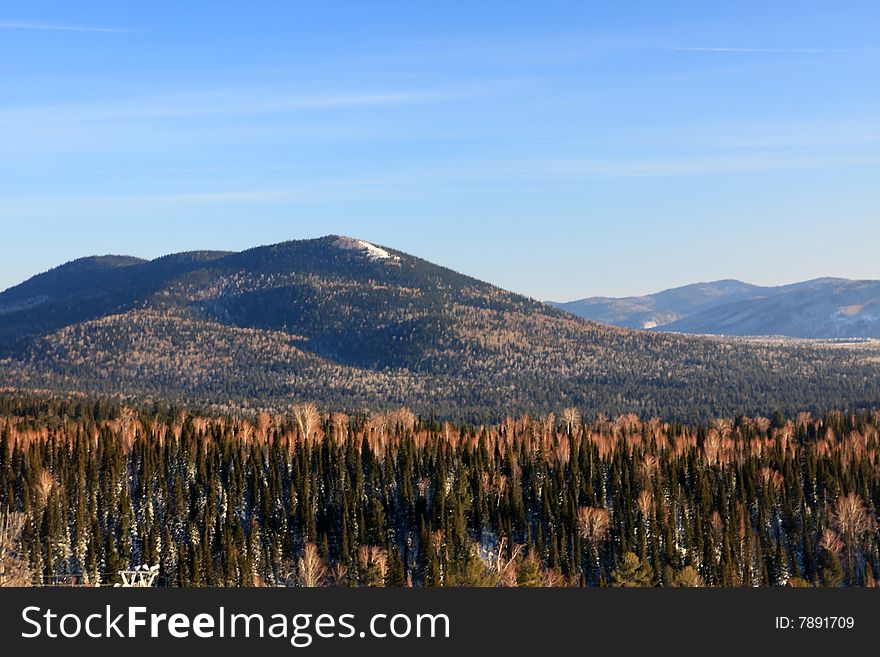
point(316, 498)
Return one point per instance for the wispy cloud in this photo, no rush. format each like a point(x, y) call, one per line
point(567, 170)
point(219, 103)
point(417, 181)
point(30, 25)
point(315, 192)
point(791, 51)
point(562, 169)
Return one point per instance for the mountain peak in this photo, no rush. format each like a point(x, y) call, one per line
point(368, 249)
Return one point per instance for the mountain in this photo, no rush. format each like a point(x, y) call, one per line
point(821, 308)
point(353, 325)
point(659, 309)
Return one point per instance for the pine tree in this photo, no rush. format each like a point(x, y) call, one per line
point(632, 572)
point(528, 572)
point(830, 569)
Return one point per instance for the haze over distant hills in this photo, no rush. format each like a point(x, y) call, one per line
point(352, 325)
point(821, 308)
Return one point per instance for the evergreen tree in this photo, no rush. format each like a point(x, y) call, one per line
point(632, 572)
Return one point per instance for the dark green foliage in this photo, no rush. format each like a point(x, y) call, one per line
point(528, 573)
point(632, 572)
point(830, 569)
point(389, 500)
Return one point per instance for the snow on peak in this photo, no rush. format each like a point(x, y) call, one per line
point(372, 251)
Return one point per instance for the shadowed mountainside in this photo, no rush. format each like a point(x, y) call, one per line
point(349, 324)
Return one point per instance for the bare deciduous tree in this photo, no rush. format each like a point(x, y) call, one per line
point(14, 570)
point(649, 467)
point(311, 571)
point(403, 418)
point(307, 419)
point(712, 447)
point(853, 521)
point(831, 541)
point(593, 525)
point(550, 578)
point(772, 478)
point(572, 418)
point(44, 486)
point(504, 567)
point(340, 426)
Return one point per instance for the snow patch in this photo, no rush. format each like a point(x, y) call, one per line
point(372, 251)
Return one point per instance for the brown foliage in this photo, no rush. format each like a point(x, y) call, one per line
point(311, 571)
point(593, 524)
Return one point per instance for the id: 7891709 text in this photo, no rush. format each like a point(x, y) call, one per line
point(815, 623)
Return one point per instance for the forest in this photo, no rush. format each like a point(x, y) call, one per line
point(315, 497)
point(316, 320)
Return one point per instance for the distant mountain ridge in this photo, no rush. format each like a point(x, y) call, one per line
point(353, 325)
point(820, 308)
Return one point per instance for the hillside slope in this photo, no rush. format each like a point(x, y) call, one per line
point(354, 325)
point(821, 308)
point(824, 308)
point(658, 309)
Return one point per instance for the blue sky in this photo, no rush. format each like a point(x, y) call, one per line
point(560, 149)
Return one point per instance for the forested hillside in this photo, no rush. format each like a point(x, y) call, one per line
point(310, 498)
point(356, 326)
